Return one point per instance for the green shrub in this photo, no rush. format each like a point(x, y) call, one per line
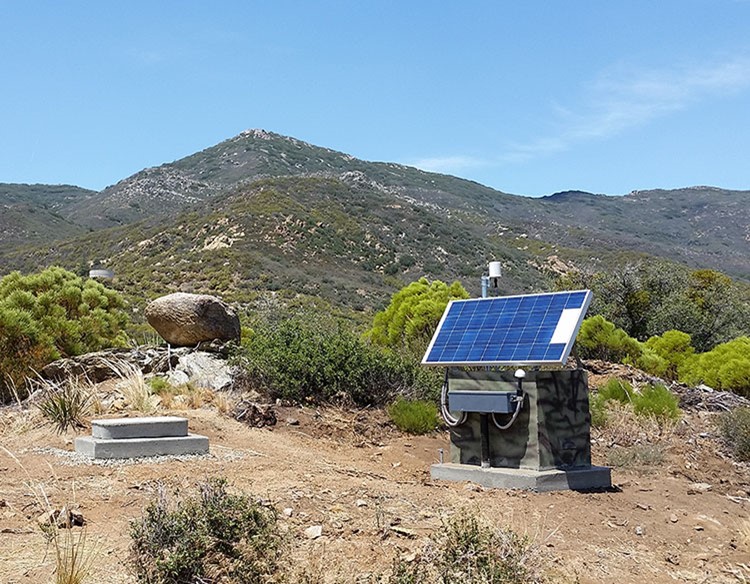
point(598, 409)
point(617, 390)
point(726, 367)
point(308, 358)
point(735, 430)
point(212, 537)
point(600, 339)
point(160, 385)
point(414, 416)
point(53, 314)
point(656, 401)
point(672, 349)
point(651, 362)
point(412, 316)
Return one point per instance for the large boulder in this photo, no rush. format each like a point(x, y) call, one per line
point(188, 319)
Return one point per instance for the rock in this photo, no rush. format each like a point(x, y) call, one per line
point(201, 370)
point(638, 530)
point(288, 512)
point(673, 518)
point(698, 488)
point(361, 503)
point(184, 319)
point(64, 518)
point(106, 364)
point(292, 422)
point(314, 531)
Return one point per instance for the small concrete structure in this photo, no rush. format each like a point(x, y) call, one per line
point(136, 437)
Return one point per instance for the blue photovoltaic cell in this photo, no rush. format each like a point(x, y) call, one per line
point(537, 329)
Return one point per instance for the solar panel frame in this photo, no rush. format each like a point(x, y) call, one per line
point(508, 330)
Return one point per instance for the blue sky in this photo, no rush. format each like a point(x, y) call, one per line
point(528, 97)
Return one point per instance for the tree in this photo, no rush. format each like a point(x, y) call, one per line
point(412, 316)
point(599, 338)
point(53, 314)
point(648, 298)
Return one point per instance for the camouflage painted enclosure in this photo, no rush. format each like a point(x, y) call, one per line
point(551, 431)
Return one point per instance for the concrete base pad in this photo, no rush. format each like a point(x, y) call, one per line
point(135, 447)
point(579, 479)
point(151, 427)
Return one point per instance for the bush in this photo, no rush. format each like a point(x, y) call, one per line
point(468, 550)
point(735, 430)
point(725, 367)
point(618, 390)
point(656, 401)
point(614, 390)
point(414, 416)
point(306, 358)
point(651, 362)
point(673, 348)
point(50, 315)
point(212, 537)
point(653, 401)
point(598, 409)
point(409, 321)
point(65, 404)
point(600, 339)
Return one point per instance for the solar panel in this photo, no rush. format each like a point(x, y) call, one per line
point(534, 329)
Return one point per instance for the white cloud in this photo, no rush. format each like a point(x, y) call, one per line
point(621, 99)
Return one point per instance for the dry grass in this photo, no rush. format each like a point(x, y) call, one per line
point(181, 397)
point(633, 441)
point(73, 557)
point(65, 403)
point(625, 428)
point(73, 554)
point(469, 548)
point(223, 403)
point(15, 422)
point(133, 387)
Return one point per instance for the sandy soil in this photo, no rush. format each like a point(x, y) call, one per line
point(369, 488)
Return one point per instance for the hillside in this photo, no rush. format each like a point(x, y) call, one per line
point(346, 240)
point(37, 213)
point(257, 154)
point(698, 226)
point(262, 212)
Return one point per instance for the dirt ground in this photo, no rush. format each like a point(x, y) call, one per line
point(369, 488)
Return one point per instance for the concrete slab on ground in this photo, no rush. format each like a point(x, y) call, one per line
point(138, 447)
point(146, 427)
point(579, 479)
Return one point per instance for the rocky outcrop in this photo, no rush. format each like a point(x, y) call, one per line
point(185, 320)
point(205, 366)
point(202, 370)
